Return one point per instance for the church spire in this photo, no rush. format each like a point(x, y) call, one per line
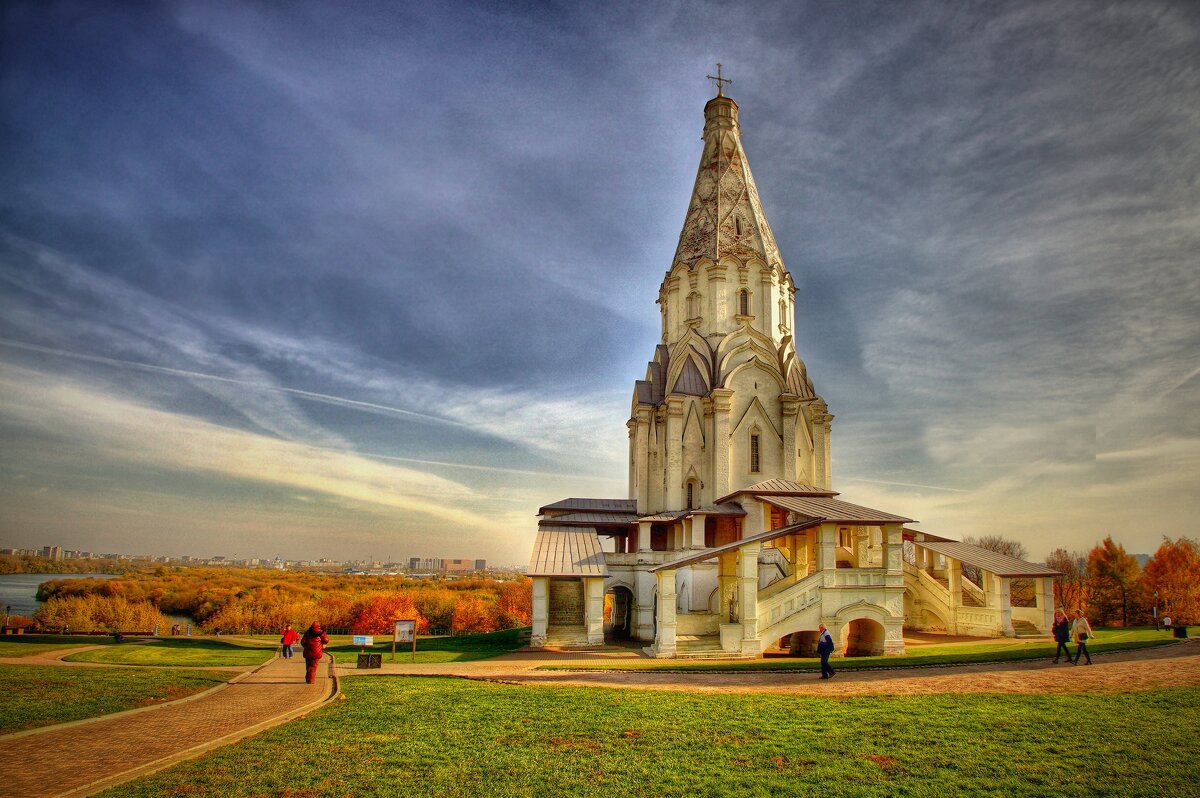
point(725, 218)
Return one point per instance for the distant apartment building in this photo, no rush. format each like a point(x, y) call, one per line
point(54, 553)
point(451, 566)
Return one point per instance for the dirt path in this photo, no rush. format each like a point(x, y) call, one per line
point(1175, 665)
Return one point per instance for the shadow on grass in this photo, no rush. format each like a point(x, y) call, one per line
point(447, 648)
point(182, 651)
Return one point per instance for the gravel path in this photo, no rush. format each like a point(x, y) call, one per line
point(1175, 665)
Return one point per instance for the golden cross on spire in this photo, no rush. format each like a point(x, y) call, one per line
point(718, 81)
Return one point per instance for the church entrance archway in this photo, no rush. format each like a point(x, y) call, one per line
point(800, 644)
point(864, 638)
point(618, 613)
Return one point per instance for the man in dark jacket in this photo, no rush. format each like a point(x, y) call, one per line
point(313, 643)
point(825, 648)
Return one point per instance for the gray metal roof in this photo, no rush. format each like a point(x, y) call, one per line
point(833, 510)
point(993, 562)
point(592, 519)
point(713, 552)
point(672, 515)
point(567, 551)
point(725, 508)
point(781, 486)
point(593, 505)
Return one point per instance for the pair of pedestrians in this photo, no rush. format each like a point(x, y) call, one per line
point(313, 645)
point(1078, 630)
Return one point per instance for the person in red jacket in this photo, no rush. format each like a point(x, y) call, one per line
point(289, 638)
point(313, 643)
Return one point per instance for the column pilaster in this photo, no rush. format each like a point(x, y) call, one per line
point(674, 497)
point(722, 404)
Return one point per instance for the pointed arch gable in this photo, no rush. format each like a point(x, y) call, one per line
point(755, 412)
point(692, 424)
point(766, 367)
point(690, 381)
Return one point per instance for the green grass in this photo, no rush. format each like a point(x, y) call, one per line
point(35, 695)
point(24, 645)
point(175, 651)
point(999, 650)
point(402, 736)
point(432, 650)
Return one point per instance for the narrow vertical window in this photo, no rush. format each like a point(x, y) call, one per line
point(737, 224)
point(691, 503)
point(744, 302)
point(754, 453)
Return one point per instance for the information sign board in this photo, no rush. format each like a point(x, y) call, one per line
point(364, 640)
point(405, 631)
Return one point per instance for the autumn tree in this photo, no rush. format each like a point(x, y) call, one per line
point(1070, 587)
point(474, 614)
point(377, 614)
point(514, 604)
point(95, 612)
point(1174, 573)
point(1112, 580)
point(437, 605)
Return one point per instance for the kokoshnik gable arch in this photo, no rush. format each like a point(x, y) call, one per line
point(732, 540)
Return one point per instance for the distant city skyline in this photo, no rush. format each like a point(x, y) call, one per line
point(451, 564)
point(340, 281)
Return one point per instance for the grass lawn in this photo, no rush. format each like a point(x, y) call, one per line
point(195, 651)
point(399, 736)
point(35, 695)
point(23, 645)
point(998, 650)
point(432, 649)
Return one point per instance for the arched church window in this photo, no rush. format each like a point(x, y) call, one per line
point(691, 495)
point(744, 302)
point(753, 452)
point(693, 305)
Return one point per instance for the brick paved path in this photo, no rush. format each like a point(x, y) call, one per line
point(79, 759)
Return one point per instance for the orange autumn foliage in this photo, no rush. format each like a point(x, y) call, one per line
point(1174, 572)
point(472, 614)
point(377, 614)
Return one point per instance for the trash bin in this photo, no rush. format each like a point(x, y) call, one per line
point(367, 661)
point(1181, 632)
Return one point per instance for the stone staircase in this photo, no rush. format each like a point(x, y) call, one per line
point(703, 647)
point(572, 636)
point(969, 599)
point(1025, 629)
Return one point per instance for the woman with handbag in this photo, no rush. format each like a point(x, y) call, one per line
point(1081, 630)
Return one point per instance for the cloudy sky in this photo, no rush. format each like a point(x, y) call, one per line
point(375, 279)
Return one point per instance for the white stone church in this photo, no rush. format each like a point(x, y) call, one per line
point(732, 541)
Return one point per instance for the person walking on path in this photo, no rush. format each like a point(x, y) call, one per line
point(1062, 634)
point(289, 638)
point(313, 643)
point(1081, 630)
point(825, 648)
